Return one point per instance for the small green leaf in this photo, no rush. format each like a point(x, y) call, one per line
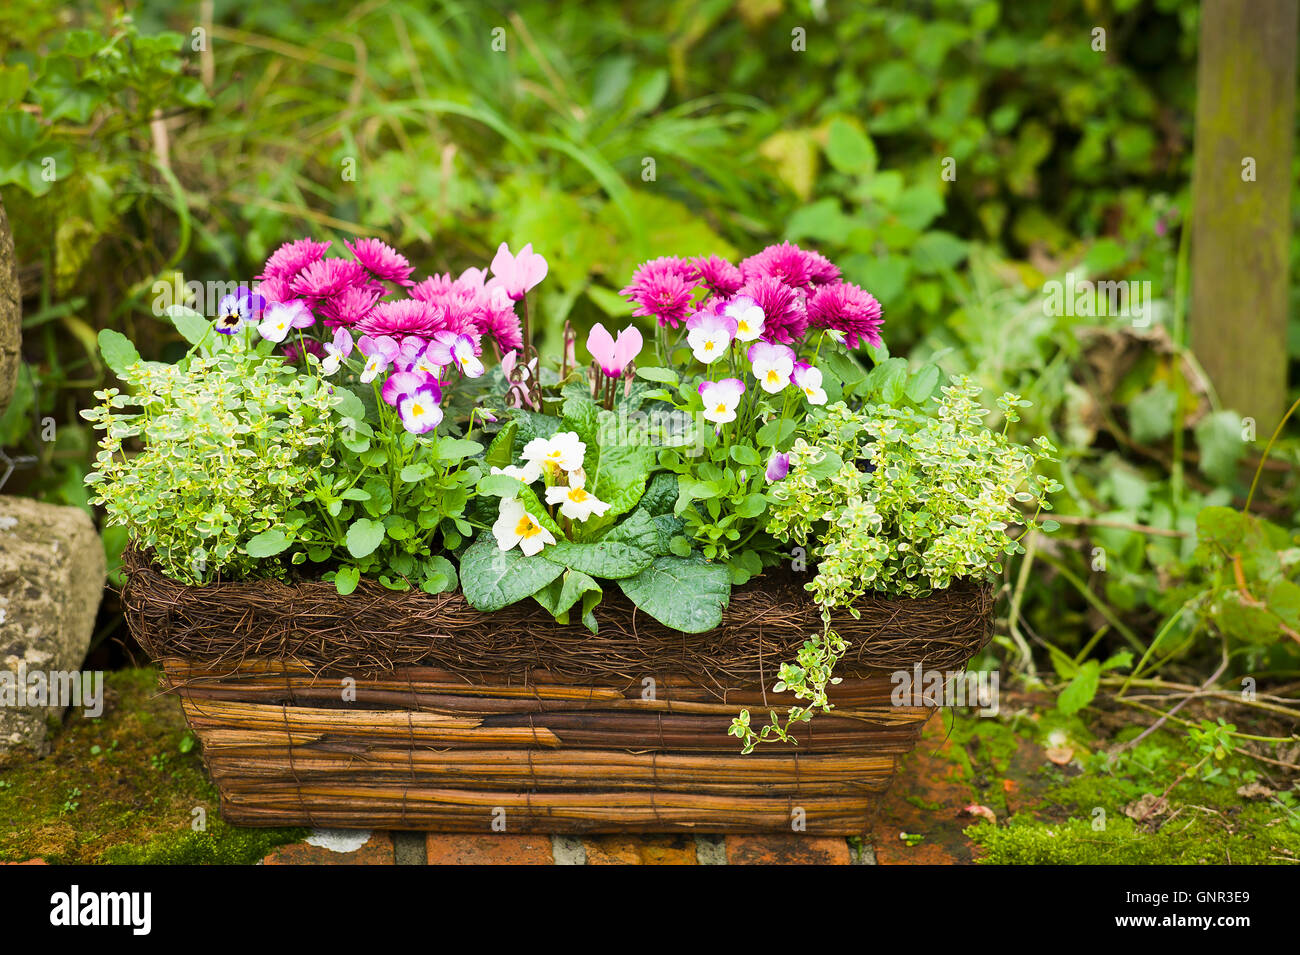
point(267, 544)
point(346, 579)
point(119, 354)
point(364, 536)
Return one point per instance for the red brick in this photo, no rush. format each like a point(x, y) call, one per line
point(500, 849)
point(378, 850)
point(792, 849)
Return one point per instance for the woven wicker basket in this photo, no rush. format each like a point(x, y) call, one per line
point(405, 711)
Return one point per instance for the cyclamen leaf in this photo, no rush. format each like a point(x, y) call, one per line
point(685, 593)
point(492, 578)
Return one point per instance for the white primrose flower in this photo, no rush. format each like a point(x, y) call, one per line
point(515, 526)
point(562, 451)
point(576, 503)
point(529, 473)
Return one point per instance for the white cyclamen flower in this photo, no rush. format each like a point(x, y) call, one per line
point(515, 525)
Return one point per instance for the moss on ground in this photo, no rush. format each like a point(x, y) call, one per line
point(126, 787)
point(1091, 810)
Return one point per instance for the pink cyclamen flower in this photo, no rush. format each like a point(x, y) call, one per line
point(710, 333)
point(420, 411)
point(279, 319)
point(848, 310)
point(614, 355)
point(379, 353)
point(291, 258)
point(518, 273)
point(663, 288)
point(721, 398)
point(336, 350)
point(382, 261)
point(721, 277)
point(448, 348)
point(784, 317)
point(809, 380)
point(778, 466)
point(405, 316)
point(773, 365)
point(328, 277)
point(792, 265)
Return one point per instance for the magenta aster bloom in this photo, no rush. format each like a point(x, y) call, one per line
point(432, 289)
point(784, 317)
point(274, 290)
point(329, 277)
point(291, 258)
point(721, 277)
point(792, 265)
point(663, 288)
point(501, 322)
point(849, 310)
point(382, 261)
point(293, 353)
point(350, 306)
point(407, 316)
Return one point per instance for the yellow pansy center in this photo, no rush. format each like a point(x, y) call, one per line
point(721, 408)
point(772, 376)
point(708, 346)
point(742, 325)
point(417, 409)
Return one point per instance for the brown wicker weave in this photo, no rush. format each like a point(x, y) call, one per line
point(406, 711)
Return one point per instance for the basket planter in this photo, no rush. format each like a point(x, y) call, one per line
point(409, 711)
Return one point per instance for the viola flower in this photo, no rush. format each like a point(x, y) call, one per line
point(283, 316)
point(747, 315)
point(778, 466)
point(709, 333)
point(721, 277)
point(518, 273)
point(563, 451)
point(773, 365)
point(663, 288)
point(576, 503)
point(381, 260)
point(515, 526)
point(403, 384)
point(790, 265)
point(448, 348)
point(529, 473)
point(239, 308)
point(291, 258)
point(379, 353)
point(784, 318)
point(809, 380)
point(407, 316)
point(849, 310)
point(614, 355)
point(419, 411)
point(721, 398)
point(337, 350)
point(327, 278)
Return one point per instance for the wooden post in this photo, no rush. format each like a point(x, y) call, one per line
point(11, 310)
point(1245, 123)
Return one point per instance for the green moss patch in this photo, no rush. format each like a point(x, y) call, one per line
point(126, 787)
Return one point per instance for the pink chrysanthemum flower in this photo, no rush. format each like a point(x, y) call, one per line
point(792, 265)
point(273, 290)
point(849, 310)
point(293, 353)
point(292, 257)
point(350, 306)
point(383, 261)
point(407, 316)
point(329, 277)
point(663, 288)
point(784, 317)
point(721, 277)
point(432, 289)
point(500, 320)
